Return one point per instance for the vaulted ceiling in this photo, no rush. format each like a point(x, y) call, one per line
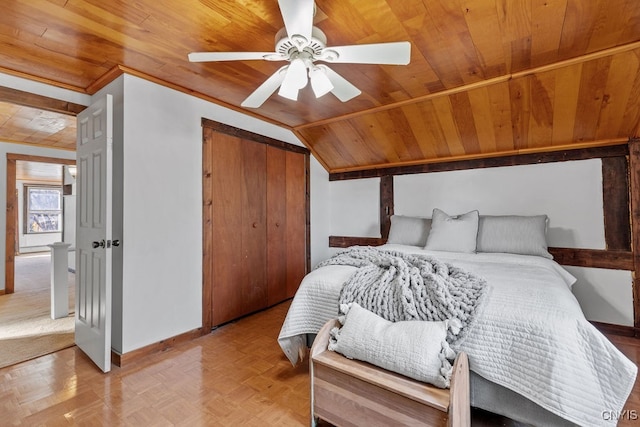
point(487, 77)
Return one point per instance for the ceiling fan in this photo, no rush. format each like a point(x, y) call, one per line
point(302, 44)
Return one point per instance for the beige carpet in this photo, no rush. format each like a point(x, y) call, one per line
point(26, 328)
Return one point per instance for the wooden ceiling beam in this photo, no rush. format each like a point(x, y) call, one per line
point(28, 99)
point(599, 149)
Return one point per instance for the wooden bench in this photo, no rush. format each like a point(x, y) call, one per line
point(347, 392)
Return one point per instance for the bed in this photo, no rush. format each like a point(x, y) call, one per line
point(532, 354)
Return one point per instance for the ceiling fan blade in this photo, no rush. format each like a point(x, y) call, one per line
point(396, 53)
point(298, 20)
point(266, 89)
point(233, 56)
point(342, 89)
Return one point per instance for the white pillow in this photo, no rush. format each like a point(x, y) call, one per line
point(525, 235)
point(453, 233)
point(414, 348)
point(409, 230)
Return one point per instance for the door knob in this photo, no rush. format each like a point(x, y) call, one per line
point(96, 245)
point(116, 242)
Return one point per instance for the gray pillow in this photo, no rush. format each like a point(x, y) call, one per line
point(414, 348)
point(524, 235)
point(409, 230)
point(453, 233)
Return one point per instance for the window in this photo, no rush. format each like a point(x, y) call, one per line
point(43, 209)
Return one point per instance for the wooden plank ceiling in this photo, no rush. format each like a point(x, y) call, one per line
point(487, 77)
point(22, 124)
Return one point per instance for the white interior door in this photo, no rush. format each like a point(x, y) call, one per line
point(93, 231)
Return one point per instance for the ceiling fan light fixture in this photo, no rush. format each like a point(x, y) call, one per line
point(288, 92)
point(296, 74)
point(320, 83)
point(294, 80)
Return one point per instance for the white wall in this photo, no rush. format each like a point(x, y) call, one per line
point(604, 295)
point(570, 193)
point(7, 80)
point(355, 207)
point(320, 213)
point(69, 226)
point(69, 229)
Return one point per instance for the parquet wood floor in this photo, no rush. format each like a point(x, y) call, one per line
point(235, 376)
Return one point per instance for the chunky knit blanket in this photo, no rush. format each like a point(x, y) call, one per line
point(400, 286)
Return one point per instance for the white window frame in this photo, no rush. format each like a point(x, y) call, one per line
point(28, 211)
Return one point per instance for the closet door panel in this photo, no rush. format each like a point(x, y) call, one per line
point(253, 232)
point(296, 220)
point(276, 226)
point(227, 174)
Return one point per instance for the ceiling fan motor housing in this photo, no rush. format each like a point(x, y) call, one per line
point(286, 47)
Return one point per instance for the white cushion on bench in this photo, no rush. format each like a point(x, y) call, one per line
point(416, 349)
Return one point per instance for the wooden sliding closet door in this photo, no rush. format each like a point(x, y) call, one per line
point(254, 232)
point(239, 228)
point(277, 225)
point(286, 224)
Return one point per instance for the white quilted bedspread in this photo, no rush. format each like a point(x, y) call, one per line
point(530, 337)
